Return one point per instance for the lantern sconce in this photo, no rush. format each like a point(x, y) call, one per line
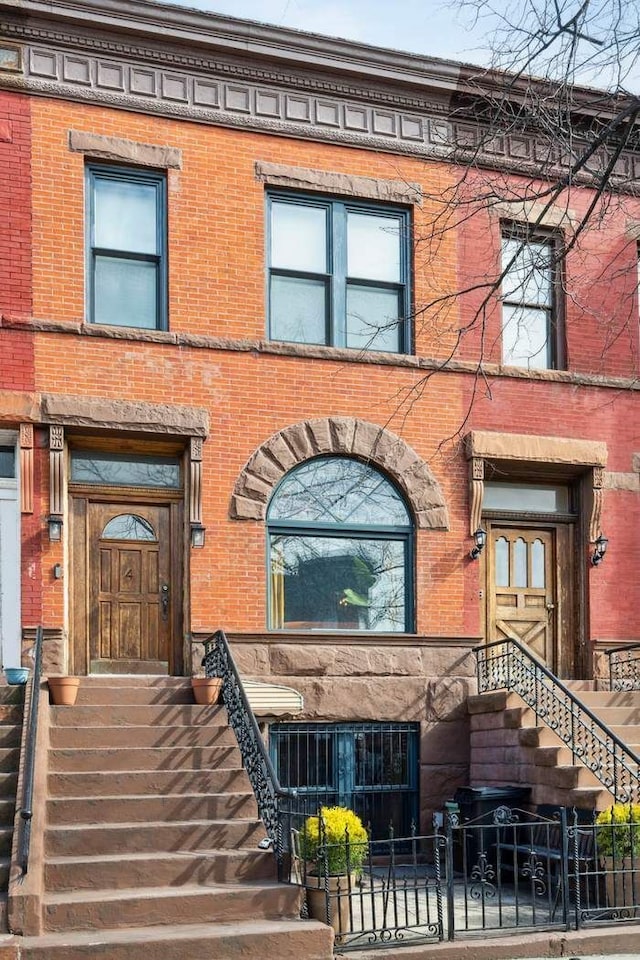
point(480, 538)
point(600, 545)
point(197, 535)
point(55, 527)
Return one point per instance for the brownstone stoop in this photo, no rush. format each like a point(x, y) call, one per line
point(508, 746)
point(149, 846)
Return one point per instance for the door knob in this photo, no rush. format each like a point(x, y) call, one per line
point(164, 600)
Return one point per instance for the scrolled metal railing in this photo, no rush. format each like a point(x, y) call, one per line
point(275, 803)
point(26, 807)
point(507, 665)
point(624, 667)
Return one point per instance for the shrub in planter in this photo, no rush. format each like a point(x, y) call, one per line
point(618, 836)
point(336, 838)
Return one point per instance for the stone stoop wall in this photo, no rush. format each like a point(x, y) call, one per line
point(508, 748)
point(343, 682)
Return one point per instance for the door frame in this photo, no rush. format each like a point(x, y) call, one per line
point(80, 496)
point(566, 655)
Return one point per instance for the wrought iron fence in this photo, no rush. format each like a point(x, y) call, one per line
point(624, 667)
point(507, 665)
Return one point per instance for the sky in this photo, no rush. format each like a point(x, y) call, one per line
point(452, 29)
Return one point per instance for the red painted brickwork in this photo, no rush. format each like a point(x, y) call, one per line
point(217, 287)
point(15, 202)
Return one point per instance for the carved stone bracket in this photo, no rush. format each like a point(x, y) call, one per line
point(56, 470)
point(195, 481)
point(26, 467)
point(476, 491)
point(595, 520)
point(342, 436)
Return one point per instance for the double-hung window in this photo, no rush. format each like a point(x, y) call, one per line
point(338, 273)
point(531, 330)
point(127, 263)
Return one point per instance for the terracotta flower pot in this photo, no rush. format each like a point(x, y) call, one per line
point(623, 884)
point(206, 689)
point(63, 691)
point(341, 889)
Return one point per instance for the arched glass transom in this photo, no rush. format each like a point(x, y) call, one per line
point(340, 541)
point(128, 526)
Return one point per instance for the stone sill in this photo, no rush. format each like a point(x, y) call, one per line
point(347, 639)
point(318, 352)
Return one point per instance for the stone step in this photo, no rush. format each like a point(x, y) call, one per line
point(89, 693)
point(97, 839)
point(7, 811)
point(131, 809)
point(158, 735)
point(10, 735)
point(11, 713)
point(162, 869)
point(144, 758)
point(605, 699)
point(131, 715)
point(246, 940)
point(9, 759)
point(5, 866)
point(621, 715)
point(159, 681)
point(100, 909)
point(6, 837)
point(94, 784)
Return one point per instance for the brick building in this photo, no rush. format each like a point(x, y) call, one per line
point(213, 404)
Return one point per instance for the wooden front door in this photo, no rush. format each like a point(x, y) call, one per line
point(129, 587)
point(523, 589)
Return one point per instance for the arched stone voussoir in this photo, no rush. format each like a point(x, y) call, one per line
point(345, 436)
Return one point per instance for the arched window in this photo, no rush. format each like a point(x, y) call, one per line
point(128, 526)
point(340, 550)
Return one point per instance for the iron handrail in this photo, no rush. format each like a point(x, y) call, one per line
point(591, 741)
point(624, 666)
point(270, 794)
point(26, 808)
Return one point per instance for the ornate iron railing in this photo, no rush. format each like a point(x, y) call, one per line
point(507, 665)
point(624, 667)
point(275, 803)
point(26, 807)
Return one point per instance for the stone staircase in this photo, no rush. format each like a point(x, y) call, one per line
point(11, 716)
point(151, 837)
point(509, 747)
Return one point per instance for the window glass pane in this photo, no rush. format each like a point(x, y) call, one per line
point(298, 237)
point(525, 341)
point(537, 564)
point(7, 463)
point(120, 470)
point(520, 574)
point(125, 215)
point(502, 562)
point(125, 292)
point(529, 276)
point(373, 247)
point(381, 758)
point(526, 497)
point(338, 490)
point(342, 583)
point(372, 319)
point(128, 527)
point(298, 310)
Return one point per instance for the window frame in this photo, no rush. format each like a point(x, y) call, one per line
point(121, 174)
point(336, 278)
point(524, 232)
point(355, 531)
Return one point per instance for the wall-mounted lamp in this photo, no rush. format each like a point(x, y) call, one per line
point(601, 545)
point(55, 527)
point(480, 538)
point(197, 535)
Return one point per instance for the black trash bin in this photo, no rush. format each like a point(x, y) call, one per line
point(475, 804)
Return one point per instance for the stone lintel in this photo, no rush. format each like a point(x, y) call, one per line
point(301, 178)
point(17, 406)
point(538, 214)
point(536, 449)
point(116, 148)
point(102, 414)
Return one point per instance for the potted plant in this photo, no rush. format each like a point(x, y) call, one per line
point(618, 837)
point(336, 844)
point(63, 691)
point(206, 690)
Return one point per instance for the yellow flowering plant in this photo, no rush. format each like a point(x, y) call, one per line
point(337, 834)
point(619, 835)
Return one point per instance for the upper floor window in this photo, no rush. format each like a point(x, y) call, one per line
point(338, 273)
point(126, 247)
point(531, 335)
point(340, 541)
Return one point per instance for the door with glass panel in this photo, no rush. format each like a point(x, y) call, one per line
point(523, 589)
point(127, 547)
